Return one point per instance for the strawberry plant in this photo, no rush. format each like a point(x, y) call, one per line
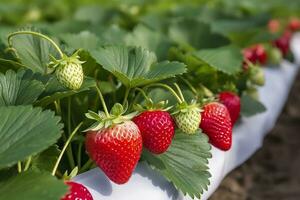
point(124, 83)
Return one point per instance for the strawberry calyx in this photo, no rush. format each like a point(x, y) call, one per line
point(65, 60)
point(116, 116)
point(184, 107)
point(149, 105)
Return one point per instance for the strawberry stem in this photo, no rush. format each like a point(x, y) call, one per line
point(86, 165)
point(69, 150)
point(9, 39)
point(102, 100)
point(126, 96)
point(79, 155)
point(189, 85)
point(19, 167)
point(143, 93)
point(65, 147)
point(27, 164)
point(179, 91)
point(168, 88)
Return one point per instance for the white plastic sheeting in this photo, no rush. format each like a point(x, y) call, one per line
point(248, 135)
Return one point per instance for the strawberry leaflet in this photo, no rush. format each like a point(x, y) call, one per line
point(185, 163)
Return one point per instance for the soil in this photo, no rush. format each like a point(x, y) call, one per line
point(273, 172)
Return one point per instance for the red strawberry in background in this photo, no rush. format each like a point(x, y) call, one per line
point(232, 103)
point(216, 123)
point(77, 192)
point(283, 42)
point(294, 24)
point(157, 129)
point(274, 25)
point(255, 54)
point(261, 54)
point(116, 150)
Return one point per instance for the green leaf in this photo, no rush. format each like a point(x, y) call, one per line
point(185, 163)
point(191, 32)
point(226, 59)
point(136, 66)
point(250, 106)
point(83, 40)
point(16, 90)
point(34, 52)
point(46, 160)
point(32, 185)
point(9, 64)
point(149, 39)
point(26, 131)
point(55, 91)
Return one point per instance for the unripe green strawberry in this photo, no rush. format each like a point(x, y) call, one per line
point(257, 75)
point(68, 71)
point(188, 118)
point(275, 56)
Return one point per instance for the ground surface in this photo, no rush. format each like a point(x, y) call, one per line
point(273, 173)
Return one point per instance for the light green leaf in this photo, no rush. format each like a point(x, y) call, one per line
point(32, 185)
point(16, 90)
point(136, 66)
point(226, 59)
point(26, 131)
point(191, 32)
point(185, 163)
point(250, 106)
point(149, 39)
point(34, 52)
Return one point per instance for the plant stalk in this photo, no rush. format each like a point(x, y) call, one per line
point(65, 147)
point(9, 39)
point(102, 100)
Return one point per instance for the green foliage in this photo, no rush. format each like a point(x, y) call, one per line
point(34, 52)
point(25, 131)
point(32, 185)
point(226, 59)
point(184, 163)
point(250, 106)
point(16, 90)
point(135, 66)
point(196, 34)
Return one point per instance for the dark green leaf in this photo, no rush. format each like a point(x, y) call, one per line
point(185, 163)
point(55, 91)
point(250, 106)
point(26, 131)
point(32, 185)
point(9, 64)
point(136, 66)
point(191, 32)
point(16, 90)
point(46, 160)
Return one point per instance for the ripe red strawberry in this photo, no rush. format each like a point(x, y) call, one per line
point(294, 24)
point(232, 103)
point(260, 53)
point(216, 123)
point(283, 43)
point(157, 128)
point(116, 150)
point(77, 192)
point(255, 54)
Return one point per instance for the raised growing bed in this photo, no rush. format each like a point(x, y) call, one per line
point(248, 136)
